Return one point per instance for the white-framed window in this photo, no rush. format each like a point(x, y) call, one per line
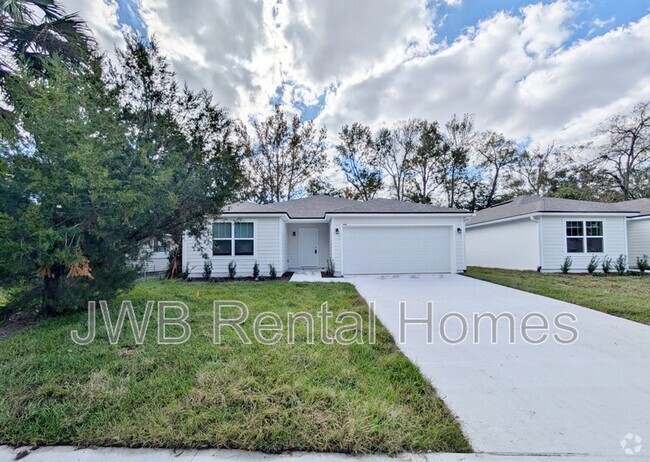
point(233, 238)
point(584, 236)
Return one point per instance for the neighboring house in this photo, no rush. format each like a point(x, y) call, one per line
point(154, 257)
point(638, 229)
point(380, 236)
point(538, 233)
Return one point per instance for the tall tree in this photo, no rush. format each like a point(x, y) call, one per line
point(626, 150)
point(88, 181)
point(496, 155)
point(460, 137)
point(181, 132)
point(538, 169)
point(396, 148)
point(67, 207)
point(286, 154)
point(426, 164)
point(357, 157)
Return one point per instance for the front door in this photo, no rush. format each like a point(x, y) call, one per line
point(308, 247)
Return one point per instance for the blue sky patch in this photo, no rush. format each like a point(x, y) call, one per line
point(594, 17)
point(128, 14)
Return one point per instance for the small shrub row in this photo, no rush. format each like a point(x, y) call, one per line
point(620, 265)
point(232, 270)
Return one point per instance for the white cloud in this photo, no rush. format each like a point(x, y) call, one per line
point(376, 61)
point(340, 40)
point(544, 27)
point(491, 73)
point(101, 17)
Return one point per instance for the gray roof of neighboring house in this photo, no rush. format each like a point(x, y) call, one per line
point(524, 205)
point(641, 205)
point(319, 206)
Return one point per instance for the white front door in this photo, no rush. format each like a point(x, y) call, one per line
point(308, 247)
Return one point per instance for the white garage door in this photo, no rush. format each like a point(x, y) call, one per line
point(396, 249)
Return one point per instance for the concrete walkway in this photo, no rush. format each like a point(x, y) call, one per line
point(312, 276)
point(71, 454)
point(591, 397)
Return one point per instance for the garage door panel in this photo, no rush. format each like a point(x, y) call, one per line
point(381, 250)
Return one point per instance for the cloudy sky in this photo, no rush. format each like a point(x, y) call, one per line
point(535, 71)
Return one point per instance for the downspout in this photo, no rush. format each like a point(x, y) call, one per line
point(464, 240)
point(540, 240)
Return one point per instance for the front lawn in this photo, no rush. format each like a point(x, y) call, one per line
point(359, 398)
point(624, 296)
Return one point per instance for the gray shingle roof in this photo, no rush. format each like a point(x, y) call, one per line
point(524, 205)
point(318, 206)
point(642, 205)
point(394, 206)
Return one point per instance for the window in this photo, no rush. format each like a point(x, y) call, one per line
point(222, 239)
point(584, 236)
point(244, 239)
point(228, 237)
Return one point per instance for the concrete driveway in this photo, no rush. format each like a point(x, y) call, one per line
point(589, 397)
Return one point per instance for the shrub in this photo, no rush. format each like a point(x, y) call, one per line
point(272, 273)
point(186, 272)
point(256, 271)
point(643, 264)
point(329, 272)
point(232, 269)
point(566, 265)
point(207, 268)
point(621, 264)
point(593, 264)
point(606, 265)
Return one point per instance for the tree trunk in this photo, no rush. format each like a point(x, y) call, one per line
point(48, 294)
point(175, 262)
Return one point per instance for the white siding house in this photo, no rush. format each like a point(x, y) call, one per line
point(555, 240)
point(638, 238)
point(373, 237)
point(638, 230)
point(266, 247)
point(539, 233)
point(511, 245)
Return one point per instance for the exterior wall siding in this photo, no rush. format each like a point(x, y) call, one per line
point(508, 245)
point(458, 260)
point(554, 241)
point(267, 250)
point(293, 243)
point(638, 234)
point(284, 246)
point(157, 263)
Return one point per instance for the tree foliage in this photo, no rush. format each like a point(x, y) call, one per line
point(182, 134)
point(428, 162)
point(357, 157)
point(285, 154)
point(92, 171)
point(624, 155)
point(32, 31)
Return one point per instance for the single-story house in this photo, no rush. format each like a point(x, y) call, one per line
point(638, 229)
point(379, 236)
point(154, 257)
point(538, 233)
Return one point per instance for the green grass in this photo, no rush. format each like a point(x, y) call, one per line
point(624, 296)
point(360, 398)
